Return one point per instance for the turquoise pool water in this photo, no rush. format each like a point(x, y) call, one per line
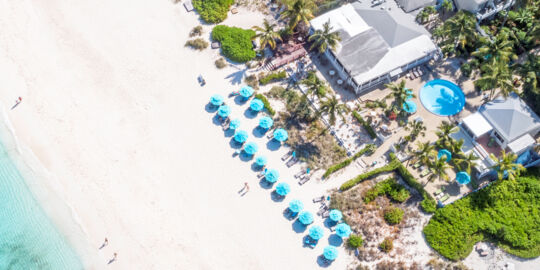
point(442, 97)
point(28, 238)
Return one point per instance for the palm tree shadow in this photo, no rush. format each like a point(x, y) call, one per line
point(236, 77)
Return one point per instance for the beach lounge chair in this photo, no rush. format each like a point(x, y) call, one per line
point(188, 6)
point(417, 165)
point(292, 161)
point(445, 198)
point(424, 173)
point(326, 214)
point(439, 191)
point(304, 180)
point(322, 210)
point(286, 156)
point(318, 199)
point(270, 134)
point(300, 173)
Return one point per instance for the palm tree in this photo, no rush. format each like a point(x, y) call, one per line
point(400, 93)
point(299, 11)
point(465, 162)
point(447, 6)
point(316, 86)
point(445, 129)
point(500, 49)
point(332, 107)
point(322, 39)
point(506, 166)
point(438, 169)
point(425, 151)
point(496, 75)
point(267, 35)
point(530, 73)
point(459, 31)
point(423, 16)
point(416, 128)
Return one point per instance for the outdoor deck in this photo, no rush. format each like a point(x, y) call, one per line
point(484, 142)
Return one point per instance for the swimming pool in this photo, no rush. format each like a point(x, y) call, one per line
point(442, 97)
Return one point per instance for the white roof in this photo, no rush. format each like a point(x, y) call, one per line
point(521, 143)
point(345, 18)
point(477, 124)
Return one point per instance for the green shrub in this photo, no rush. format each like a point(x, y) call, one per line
point(505, 213)
point(386, 245)
point(388, 187)
point(429, 205)
point(393, 215)
point(368, 149)
point(361, 177)
point(196, 31)
point(466, 70)
point(274, 76)
point(252, 81)
point(355, 241)
point(221, 63)
point(365, 124)
point(235, 42)
point(267, 106)
point(197, 44)
point(213, 11)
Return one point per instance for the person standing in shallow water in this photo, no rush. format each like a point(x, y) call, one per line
point(105, 243)
point(115, 255)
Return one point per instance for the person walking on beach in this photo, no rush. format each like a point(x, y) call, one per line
point(17, 102)
point(105, 243)
point(113, 258)
point(244, 190)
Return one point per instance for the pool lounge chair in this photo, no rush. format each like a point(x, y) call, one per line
point(286, 156)
point(439, 191)
point(445, 198)
point(417, 165)
point(424, 173)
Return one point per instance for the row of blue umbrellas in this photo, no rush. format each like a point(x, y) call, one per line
point(283, 188)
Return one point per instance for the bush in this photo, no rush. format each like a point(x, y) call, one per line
point(196, 31)
point(355, 241)
point(252, 81)
point(368, 149)
point(267, 106)
point(366, 125)
point(221, 63)
point(388, 187)
point(274, 76)
point(361, 177)
point(393, 215)
point(197, 44)
point(213, 11)
point(235, 42)
point(386, 245)
point(428, 205)
point(466, 70)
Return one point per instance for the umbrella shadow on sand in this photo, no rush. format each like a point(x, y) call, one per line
point(335, 240)
point(276, 197)
point(216, 120)
point(240, 100)
point(255, 167)
point(328, 223)
point(250, 114)
point(245, 157)
point(258, 132)
point(210, 108)
point(273, 145)
point(265, 184)
point(228, 133)
point(234, 144)
point(298, 227)
point(322, 262)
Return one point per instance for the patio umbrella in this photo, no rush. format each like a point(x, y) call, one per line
point(234, 124)
point(216, 100)
point(272, 176)
point(256, 105)
point(246, 91)
point(251, 148)
point(305, 218)
point(343, 230)
point(335, 215)
point(463, 178)
point(296, 206)
point(330, 253)
point(316, 232)
point(266, 122)
point(283, 189)
point(261, 160)
point(444, 152)
point(409, 106)
point(224, 111)
point(240, 136)
point(281, 135)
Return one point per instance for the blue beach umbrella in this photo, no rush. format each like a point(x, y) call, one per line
point(335, 215)
point(261, 160)
point(316, 232)
point(296, 206)
point(251, 148)
point(266, 122)
point(234, 124)
point(256, 105)
point(246, 91)
point(240, 136)
point(445, 152)
point(272, 176)
point(463, 178)
point(216, 100)
point(409, 106)
point(281, 135)
point(330, 253)
point(224, 111)
point(343, 230)
point(305, 218)
point(283, 189)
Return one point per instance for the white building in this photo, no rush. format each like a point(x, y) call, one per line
point(483, 8)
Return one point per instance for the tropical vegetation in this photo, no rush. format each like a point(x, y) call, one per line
point(235, 42)
point(389, 187)
point(267, 35)
point(212, 11)
point(333, 108)
point(393, 215)
point(324, 39)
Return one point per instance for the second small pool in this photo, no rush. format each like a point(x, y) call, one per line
point(442, 97)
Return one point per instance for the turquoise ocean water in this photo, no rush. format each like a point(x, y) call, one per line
point(28, 238)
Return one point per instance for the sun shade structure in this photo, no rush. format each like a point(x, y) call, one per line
point(281, 135)
point(335, 215)
point(266, 122)
point(330, 253)
point(251, 148)
point(477, 124)
point(246, 91)
point(283, 189)
point(224, 111)
point(445, 152)
point(272, 176)
point(256, 105)
point(296, 206)
point(463, 178)
point(409, 106)
point(410, 5)
point(305, 218)
point(216, 100)
point(261, 160)
point(240, 136)
point(316, 232)
point(343, 230)
point(234, 124)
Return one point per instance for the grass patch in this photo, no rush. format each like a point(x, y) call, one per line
point(365, 124)
point(393, 215)
point(368, 149)
point(389, 187)
point(235, 42)
point(387, 245)
point(213, 11)
point(506, 213)
point(196, 31)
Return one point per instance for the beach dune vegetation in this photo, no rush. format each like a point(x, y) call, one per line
point(235, 42)
point(213, 11)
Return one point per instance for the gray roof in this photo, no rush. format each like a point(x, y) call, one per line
point(410, 5)
point(361, 52)
point(512, 118)
point(470, 5)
